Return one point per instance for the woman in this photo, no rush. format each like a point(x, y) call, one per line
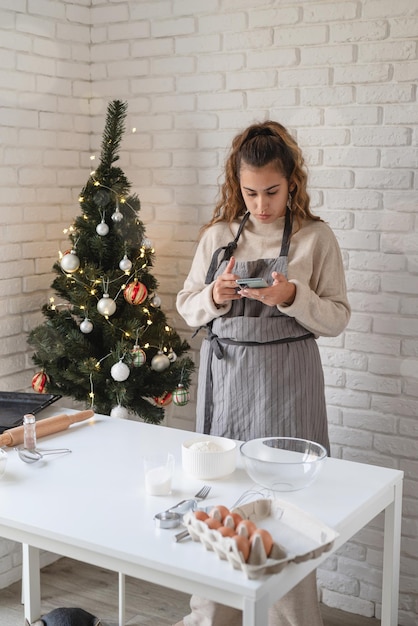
point(260, 371)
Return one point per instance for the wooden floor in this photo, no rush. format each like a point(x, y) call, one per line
point(68, 583)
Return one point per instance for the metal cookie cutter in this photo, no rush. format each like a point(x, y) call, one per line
point(168, 519)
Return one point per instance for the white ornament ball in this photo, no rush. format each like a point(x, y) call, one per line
point(86, 326)
point(119, 371)
point(156, 301)
point(119, 412)
point(106, 306)
point(160, 362)
point(102, 229)
point(125, 264)
point(70, 262)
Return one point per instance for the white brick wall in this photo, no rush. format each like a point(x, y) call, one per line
point(343, 77)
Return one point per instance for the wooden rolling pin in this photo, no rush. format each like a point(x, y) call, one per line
point(47, 426)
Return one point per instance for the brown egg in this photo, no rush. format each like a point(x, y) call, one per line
point(212, 523)
point(201, 515)
point(226, 531)
point(243, 546)
point(246, 527)
point(237, 518)
point(219, 512)
point(266, 538)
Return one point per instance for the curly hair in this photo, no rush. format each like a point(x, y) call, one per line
point(259, 145)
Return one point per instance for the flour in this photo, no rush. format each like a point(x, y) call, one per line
point(206, 446)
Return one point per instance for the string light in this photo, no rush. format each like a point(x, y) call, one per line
point(91, 394)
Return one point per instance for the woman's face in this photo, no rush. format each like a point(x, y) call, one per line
point(265, 191)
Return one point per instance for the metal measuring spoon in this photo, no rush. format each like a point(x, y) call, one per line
point(32, 456)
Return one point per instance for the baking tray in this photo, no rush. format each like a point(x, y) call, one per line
point(14, 405)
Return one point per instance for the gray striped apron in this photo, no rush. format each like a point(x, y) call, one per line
point(260, 371)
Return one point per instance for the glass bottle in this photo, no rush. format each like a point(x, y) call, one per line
point(29, 432)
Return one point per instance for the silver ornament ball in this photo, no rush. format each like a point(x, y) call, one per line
point(70, 262)
point(147, 243)
point(156, 301)
point(160, 362)
point(117, 216)
point(106, 306)
point(102, 229)
point(86, 326)
point(172, 356)
point(125, 264)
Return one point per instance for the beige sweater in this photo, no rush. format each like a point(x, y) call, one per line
point(315, 267)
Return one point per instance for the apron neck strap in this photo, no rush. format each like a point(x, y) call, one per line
point(228, 252)
point(288, 223)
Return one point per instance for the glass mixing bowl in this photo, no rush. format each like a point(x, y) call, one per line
point(283, 463)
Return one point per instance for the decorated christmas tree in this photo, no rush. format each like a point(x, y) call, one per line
point(105, 340)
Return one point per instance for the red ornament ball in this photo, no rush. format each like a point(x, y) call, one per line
point(180, 395)
point(135, 292)
point(165, 399)
point(39, 381)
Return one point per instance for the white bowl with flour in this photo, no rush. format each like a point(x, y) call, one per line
point(208, 457)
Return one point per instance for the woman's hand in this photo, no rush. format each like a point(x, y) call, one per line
point(280, 293)
point(225, 286)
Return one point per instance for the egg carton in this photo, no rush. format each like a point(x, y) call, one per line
point(297, 536)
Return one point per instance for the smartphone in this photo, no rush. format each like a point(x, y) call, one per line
point(251, 283)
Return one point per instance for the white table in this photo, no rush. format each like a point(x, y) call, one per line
point(91, 505)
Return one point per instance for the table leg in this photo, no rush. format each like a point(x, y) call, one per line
point(254, 613)
point(121, 599)
point(31, 582)
point(391, 559)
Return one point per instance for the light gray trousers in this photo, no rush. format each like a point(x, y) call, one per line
point(299, 607)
